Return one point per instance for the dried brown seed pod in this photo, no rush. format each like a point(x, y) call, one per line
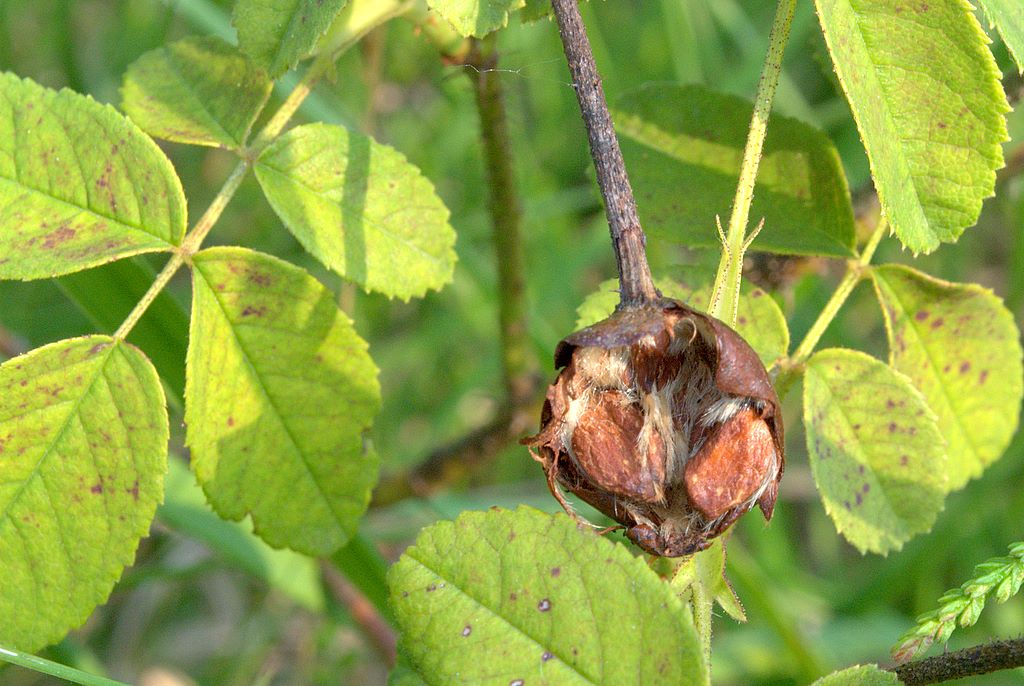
point(664, 419)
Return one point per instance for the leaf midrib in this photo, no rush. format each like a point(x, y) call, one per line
point(903, 168)
point(338, 520)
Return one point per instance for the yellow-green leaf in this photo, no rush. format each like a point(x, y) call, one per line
point(360, 208)
point(279, 390)
point(926, 95)
point(960, 346)
point(875, 450)
point(524, 597)
point(475, 17)
point(83, 451)
point(861, 675)
point(278, 33)
point(198, 90)
point(80, 185)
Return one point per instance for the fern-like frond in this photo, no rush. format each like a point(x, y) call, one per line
point(1000, 577)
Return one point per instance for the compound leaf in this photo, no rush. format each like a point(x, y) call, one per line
point(683, 147)
point(278, 33)
point(961, 348)
point(360, 208)
point(525, 597)
point(925, 92)
point(80, 185)
point(475, 17)
point(875, 450)
point(198, 90)
point(279, 390)
point(83, 451)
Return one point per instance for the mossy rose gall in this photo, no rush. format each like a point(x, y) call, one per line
point(664, 419)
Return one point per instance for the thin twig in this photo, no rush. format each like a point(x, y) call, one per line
point(373, 625)
point(628, 240)
point(983, 659)
point(518, 362)
point(457, 460)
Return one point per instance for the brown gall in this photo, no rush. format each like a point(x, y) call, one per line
point(664, 419)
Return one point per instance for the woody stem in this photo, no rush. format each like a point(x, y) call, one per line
point(628, 240)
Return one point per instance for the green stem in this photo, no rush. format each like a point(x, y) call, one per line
point(726, 292)
point(360, 21)
point(188, 247)
point(791, 367)
point(56, 669)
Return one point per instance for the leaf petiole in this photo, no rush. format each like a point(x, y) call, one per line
point(726, 292)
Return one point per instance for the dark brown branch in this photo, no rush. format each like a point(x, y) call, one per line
point(374, 627)
point(518, 362)
point(457, 460)
point(990, 657)
point(628, 238)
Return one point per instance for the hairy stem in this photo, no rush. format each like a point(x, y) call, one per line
point(628, 240)
point(726, 291)
point(506, 218)
point(791, 367)
point(983, 659)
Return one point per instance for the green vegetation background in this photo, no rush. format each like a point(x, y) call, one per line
point(814, 603)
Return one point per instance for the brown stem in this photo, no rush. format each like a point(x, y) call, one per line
point(450, 463)
point(373, 626)
point(990, 657)
point(518, 364)
point(628, 240)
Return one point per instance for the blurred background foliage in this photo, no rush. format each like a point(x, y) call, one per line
point(204, 605)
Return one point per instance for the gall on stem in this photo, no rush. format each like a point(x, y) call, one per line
point(662, 418)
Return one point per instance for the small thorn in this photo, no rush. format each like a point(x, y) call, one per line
point(721, 234)
point(753, 235)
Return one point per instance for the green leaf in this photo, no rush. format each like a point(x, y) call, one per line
point(360, 208)
point(875, 450)
point(475, 17)
point(108, 294)
point(925, 93)
point(279, 389)
point(507, 597)
point(760, 320)
point(1008, 17)
point(80, 185)
point(187, 512)
point(861, 675)
point(534, 10)
point(278, 33)
point(683, 147)
point(198, 90)
point(83, 451)
point(961, 348)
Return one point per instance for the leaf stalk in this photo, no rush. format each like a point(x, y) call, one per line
point(726, 292)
